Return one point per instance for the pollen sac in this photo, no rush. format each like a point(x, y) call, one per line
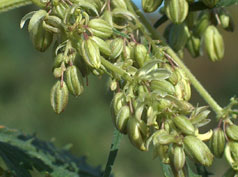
point(214, 43)
point(176, 10)
point(151, 5)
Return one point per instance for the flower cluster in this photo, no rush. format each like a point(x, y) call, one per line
point(151, 91)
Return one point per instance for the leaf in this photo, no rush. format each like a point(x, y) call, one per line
point(23, 153)
point(225, 3)
point(167, 170)
point(190, 172)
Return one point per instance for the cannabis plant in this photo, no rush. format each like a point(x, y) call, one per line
point(151, 85)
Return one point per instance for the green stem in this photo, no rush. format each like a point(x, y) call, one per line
point(201, 90)
point(116, 69)
point(113, 153)
point(6, 5)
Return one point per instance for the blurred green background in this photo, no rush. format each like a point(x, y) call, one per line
point(26, 79)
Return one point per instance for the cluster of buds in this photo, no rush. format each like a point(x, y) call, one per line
point(151, 92)
point(198, 28)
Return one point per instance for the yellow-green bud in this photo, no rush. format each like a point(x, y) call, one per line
point(116, 47)
point(103, 46)
point(232, 132)
point(217, 142)
point(74, 80)
point(203, 22)
point(214, 43)
point(136, 133)
point(231, 154)
point(151, 5)
point(178, 36)
point(163, 86)
point(59, 97)
point(176, 10)
point(122, 119)
point(41, 38)
point(179, 158)
point(100, 28)
point(141, 53)
point(193, 46)
point(90, 53)
point(198, 150)
point(184, 124)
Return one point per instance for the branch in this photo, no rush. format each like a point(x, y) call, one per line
point(6, 5)
point(201, 90)
point(113, 153)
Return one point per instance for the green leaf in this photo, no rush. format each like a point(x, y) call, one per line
point(225, 3)
point(22, 153)
point(189, 169)
point(167, 170)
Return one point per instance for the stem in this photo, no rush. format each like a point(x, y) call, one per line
point(201, 90)
point(197, 85)
point(113, 152)
point(6, 5)
point(116, 69)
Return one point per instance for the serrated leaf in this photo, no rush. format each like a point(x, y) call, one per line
point(23, 153)
point(225, 3)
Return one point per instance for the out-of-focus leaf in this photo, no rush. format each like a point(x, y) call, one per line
point(225, 3)
point(23, 153)
point(167, 170)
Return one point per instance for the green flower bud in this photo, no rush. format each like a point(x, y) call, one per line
point(163, 86)
point(100, 28)
point(90, 53)
point(137, 133)
point(41, 38)
point(214, 43)
point(217, 142)
point(59, 97)
point(183, 89)
point(118, 102)
point(226, 20)
point(103, 46)
point(210, 3)
point(198, 150)
point(184, 124)
point(231, 154)
point(179, 158)
point(203, 22)
point(193, 45)
point(151, 5)
point(74, 80)
point(58, 60)
point(41, 3)
point(60, 9)
point(178, 36)
point(116, 47)
point(163, 137)
point(122, 119)
point(176, 10)
point(107, 16)
point(57, 72)
point(232, 132)
point(141, 53)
